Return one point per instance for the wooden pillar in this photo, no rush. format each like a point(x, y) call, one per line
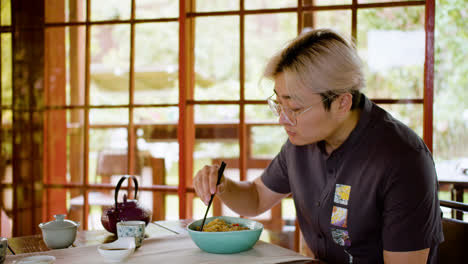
point(429, 74)
point(186, 127)
point(77, 86)
point(55, 121)
point(28, 90)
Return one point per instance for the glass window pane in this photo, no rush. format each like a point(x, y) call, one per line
point(156, 66)
point(199, 209)
point(110, 51)
point(6, 73)
point(172, 207)
point(65, 11)
point(147, 9)
point(107, 154)
point(98, 201)
point(156, 131)
point(55, 68)
point(74, 202)
point(217, 140)
point(267, 4)
point(65, 70)
point(75, 145)
point(217, 58)
point(5, 13)
point(391, 43)
point(259, 114)
point(288, 209)
point(155, 202)
point(380, 1)
point(264, 35)
point(409, 114)
point(163, 115)
point(115, 116)
point(75, 62)
point(326, 2)
point(213, 151)
point(338, 20)
point(216, 114)
point(267, 147)
point(451, 93)
point(110, 9)
point(220, 5)
point(65, 146)
point(6, 145)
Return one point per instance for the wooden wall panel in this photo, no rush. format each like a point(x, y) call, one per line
point(28, 90)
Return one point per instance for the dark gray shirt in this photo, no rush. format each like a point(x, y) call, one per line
point(377, 191)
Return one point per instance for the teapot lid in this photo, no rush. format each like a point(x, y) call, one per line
point(59, 223)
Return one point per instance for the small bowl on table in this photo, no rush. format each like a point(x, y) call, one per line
point(229, 242)
point(118, 250)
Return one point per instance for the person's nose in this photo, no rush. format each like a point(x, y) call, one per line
point(284, 119)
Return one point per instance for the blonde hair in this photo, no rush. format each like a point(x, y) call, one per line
point(320, 61)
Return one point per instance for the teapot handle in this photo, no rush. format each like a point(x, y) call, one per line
point(117, 188)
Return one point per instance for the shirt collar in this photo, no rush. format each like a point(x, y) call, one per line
point(366, 107)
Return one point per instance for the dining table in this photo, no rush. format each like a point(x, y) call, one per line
point(165, 242)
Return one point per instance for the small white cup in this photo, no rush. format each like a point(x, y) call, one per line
point(134, 229)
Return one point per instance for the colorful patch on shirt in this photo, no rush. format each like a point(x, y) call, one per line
point(342, 194)
point(341, 237)
point(339, 216)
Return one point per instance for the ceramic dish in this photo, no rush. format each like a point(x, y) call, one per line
point(118, 250)
point(226, 242)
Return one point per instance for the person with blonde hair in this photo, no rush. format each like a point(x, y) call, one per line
point(363, 183)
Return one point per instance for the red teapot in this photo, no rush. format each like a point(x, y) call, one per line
point(126, 211)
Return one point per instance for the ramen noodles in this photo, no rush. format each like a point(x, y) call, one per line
point(219, 225)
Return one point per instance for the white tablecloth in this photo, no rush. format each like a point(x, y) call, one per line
point(174, 249)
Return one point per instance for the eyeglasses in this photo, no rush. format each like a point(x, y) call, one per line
point(289, 114)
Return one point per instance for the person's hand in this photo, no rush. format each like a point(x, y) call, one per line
point(205, 182)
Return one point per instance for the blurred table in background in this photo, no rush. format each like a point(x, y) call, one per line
point(455, 183)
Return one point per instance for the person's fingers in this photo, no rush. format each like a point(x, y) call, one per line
point(197, 184)
point(222, 185)
point(203, 184)
point(213, 179)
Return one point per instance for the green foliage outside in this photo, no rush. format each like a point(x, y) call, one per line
point(451, 80)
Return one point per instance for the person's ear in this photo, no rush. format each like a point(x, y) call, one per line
point(345, 102)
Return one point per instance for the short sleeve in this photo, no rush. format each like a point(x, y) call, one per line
point(411, 213)
point(275, 176)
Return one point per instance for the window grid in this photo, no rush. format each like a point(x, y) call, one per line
point(186, 87)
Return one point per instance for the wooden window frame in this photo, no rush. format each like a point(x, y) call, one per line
point(186, 125)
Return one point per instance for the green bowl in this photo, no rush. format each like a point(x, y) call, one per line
point(226, 242)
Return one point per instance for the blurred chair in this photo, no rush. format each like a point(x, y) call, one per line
point(115, 162)
point(454, 248)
